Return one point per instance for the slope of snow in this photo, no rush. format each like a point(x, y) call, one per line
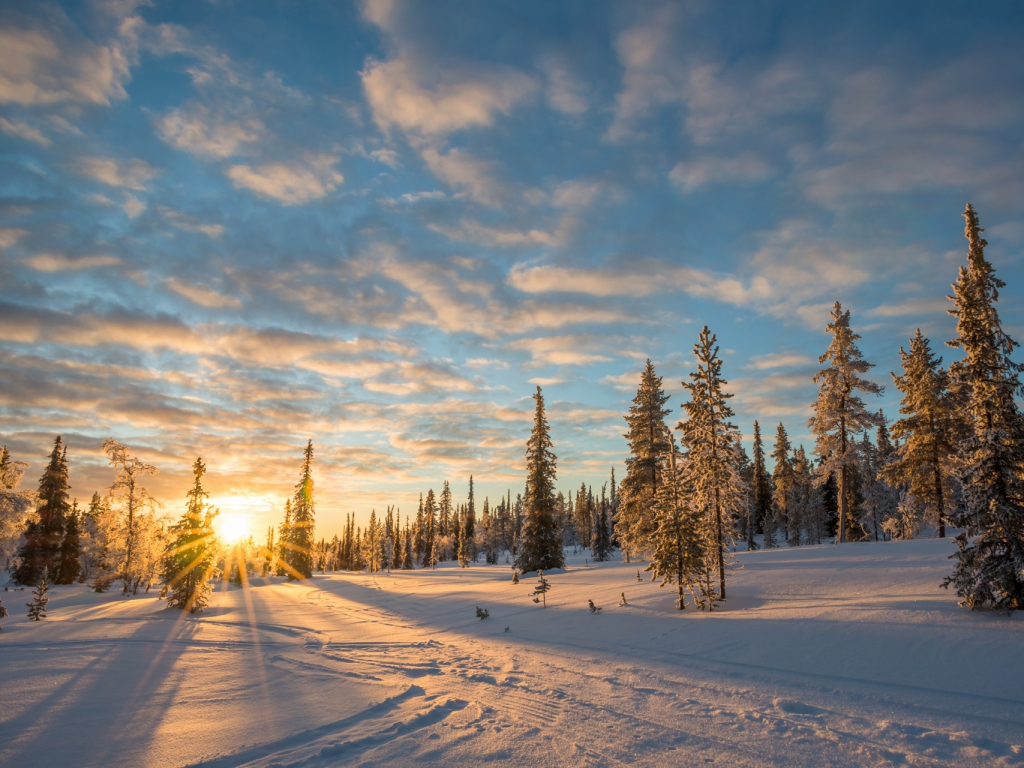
point(822, 656)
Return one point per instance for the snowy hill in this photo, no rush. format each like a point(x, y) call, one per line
point(822, 656)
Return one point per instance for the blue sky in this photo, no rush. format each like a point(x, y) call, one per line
point(227, 227)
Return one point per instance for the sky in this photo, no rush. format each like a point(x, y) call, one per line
point(230, 227)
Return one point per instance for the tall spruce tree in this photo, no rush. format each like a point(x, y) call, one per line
point(763, 512)
point(192, 552)
point(840, 413)
point(989, 569)
point(303, 519)
point(782, 479)
point(929, 431)
point(469, 523)
point(648, 446)
point(540, 547)
point(41, 547)
point(712, 445)
point(69, 564)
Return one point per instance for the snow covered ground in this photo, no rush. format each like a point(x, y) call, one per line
point(822, 656)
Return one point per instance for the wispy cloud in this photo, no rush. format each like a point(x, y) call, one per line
point(289, 183)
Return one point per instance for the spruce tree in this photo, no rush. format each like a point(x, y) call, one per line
point(680, 546)
point(41, 547)
point(469, 523)
point(284, 542)
point(601, 546)
point(15, 506)
point(839, 412)
point(541, 545)
point(69, 565)
point(712, 467)
point(929, 431)
point(407, 561)
point(37, 608)
point(989, 569)
point(429, 522)
point(782, 479)
point(646, 435)
point(303, 519)
point(763, 512)
point(192, 551)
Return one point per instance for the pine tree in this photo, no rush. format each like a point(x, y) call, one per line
point(303, 519)
point(989, 569)
point(680, 546)
point(192, 551)
point(929, 431)
point(41, 548)
point(541, 545)
point(542, 589)
point(430, 522)
point(407, 561)
point(747, 518)
point(444, 509)
point(880, 497)
point(839, 412)
point(469, 524)
point(37, 608)
point(648, 446)
point(763, 512)
point(782, 479)
point(284, 542)
point(601, 547)
point(712, 444)
point(807, 509)
point(69, 565)
point(15, 506)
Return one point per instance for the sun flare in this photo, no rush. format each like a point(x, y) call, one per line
point(232, 527)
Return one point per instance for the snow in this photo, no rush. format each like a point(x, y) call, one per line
point(849, 655)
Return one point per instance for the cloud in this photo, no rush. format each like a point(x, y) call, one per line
point(130, 174)
point(498, 237)
point(542, 381)
point(23, 130)
point(745, 167)
point(624, 382)
point(191, 224)
point(937, 306)
point(575, 349)
point(204, 297)
point(57, 262)
point(39, 67)
point(453, 101)
point(462, 171)
point(386, 156)
point(302, 182)
point(563, 90)
point(779, 360)
point(10, 235)
point(196, 131)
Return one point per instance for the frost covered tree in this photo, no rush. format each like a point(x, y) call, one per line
point(40, 597)
point(782, 479)
point(15, 507)
point(839, 412)
point(763, 512)
point(807, 509)
point(133, 506)
point(69, 564)
point(989, 570)
point(285, 551)
point(540, 546)
point(712, 455)
point(928, 430)
point(646, 436)
point(680, 550)
point(40, 549)
point(429, 526)
point(303, 519)
point(469, 523)
point(601, 545)
point(192, 550)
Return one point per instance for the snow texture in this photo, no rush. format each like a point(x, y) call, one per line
point(822, 656)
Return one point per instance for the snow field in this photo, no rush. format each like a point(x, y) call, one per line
point(822, 656)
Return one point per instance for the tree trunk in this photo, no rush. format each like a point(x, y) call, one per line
point(721, 547)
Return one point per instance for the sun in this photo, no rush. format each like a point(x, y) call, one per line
point(232, 527)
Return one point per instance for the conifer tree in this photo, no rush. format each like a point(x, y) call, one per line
point(880, 497)
point(712, 444)
point(601, 546)
point(747, 517)
point(782, 479)
point(680, 546)
point(69, 565)
point(646, 436)
point(37, 608)
point(15, 506)
point(469, 523)
point(41, 548)
point(839, 412)
point(989, 570)
point(929, 431)
point(444, 509)
point(429, 523)
point(303, 519)
point(542, 589)
point(134, 500)
point(192, 552)
point(541, 545)
point(763, 512)
point(407, 561)
point(583, 517)
point(284, 542)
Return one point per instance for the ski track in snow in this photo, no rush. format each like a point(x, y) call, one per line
point(823, 657)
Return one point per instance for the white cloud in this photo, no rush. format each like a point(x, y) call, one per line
point(58, 262)
point(10, 235)
point(744, 167)
point(386, 156)
point(204, 297)
point(563, 89)
point(498, 237)
point(23, 130)
point(925, 307)
point(131, 174)
point(293, 184)
point(460, 170)
point(48, 67)
point(196, 131)
point(132, 206)
point(624, 382)
point(542, 381)
point(190, 224)
point(779, 360)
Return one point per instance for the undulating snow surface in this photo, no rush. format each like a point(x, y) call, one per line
point(822, 656)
